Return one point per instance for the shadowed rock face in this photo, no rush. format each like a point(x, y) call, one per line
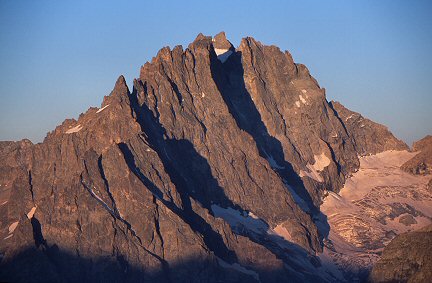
point(212, 169)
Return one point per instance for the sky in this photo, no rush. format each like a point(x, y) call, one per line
point(58, 58)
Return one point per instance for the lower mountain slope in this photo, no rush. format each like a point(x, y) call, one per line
point(408, 258)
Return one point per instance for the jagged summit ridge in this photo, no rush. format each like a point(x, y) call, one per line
point(212, 167)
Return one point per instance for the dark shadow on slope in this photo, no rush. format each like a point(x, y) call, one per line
point(189, 172)
point(290, 253)
point(37, 232)
point(336, 114)
point(130, 161)
point(230, 82)
point(57, 265)
point(192, 177)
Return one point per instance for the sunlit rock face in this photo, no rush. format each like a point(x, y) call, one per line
point(212, 168)
point(421, 163)
point(408, 258)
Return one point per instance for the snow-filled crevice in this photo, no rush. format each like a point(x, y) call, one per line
point(273, 163)
point(75, 129)
point(275, 239)
point(113, 213)
point(102, 109)
point(102, 174)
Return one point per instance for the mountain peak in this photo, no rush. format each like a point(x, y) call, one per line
point(221, 42)
point(220, 167)
point(119, 92)
point(201, 41)
point(121, 81)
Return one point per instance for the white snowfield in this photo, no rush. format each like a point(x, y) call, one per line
point(378, 202)
point(321, 162)
point(223, 54)
point(102, 109)
point(75, 129)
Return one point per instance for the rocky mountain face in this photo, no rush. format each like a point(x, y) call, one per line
point(421, 164)
point(212, 169)
point(408, 258)
point(367, 136)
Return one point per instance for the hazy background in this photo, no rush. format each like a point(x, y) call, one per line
point(58, 58)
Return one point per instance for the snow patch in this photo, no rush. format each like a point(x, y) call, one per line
point(8, 237)
point(280, 230)
point(75, 129)
point(312, 174)
point(273, 162)
point(239, 268)
point(298, 200)
point(202, 94)
point(250, 214)
point(12, 227)
point(100, 110)
point(237, 220)
point(349, 117)
point(5, 202)
point(223, 54)
point(297, 103)
point(302, 99)
point(321, 162)
point(31, 212)
point(304, 91)
point(104, 204)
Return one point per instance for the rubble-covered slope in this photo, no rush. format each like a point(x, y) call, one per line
point(211, 170)
point(408, 258)
point(421, 163)
point(367, 136)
